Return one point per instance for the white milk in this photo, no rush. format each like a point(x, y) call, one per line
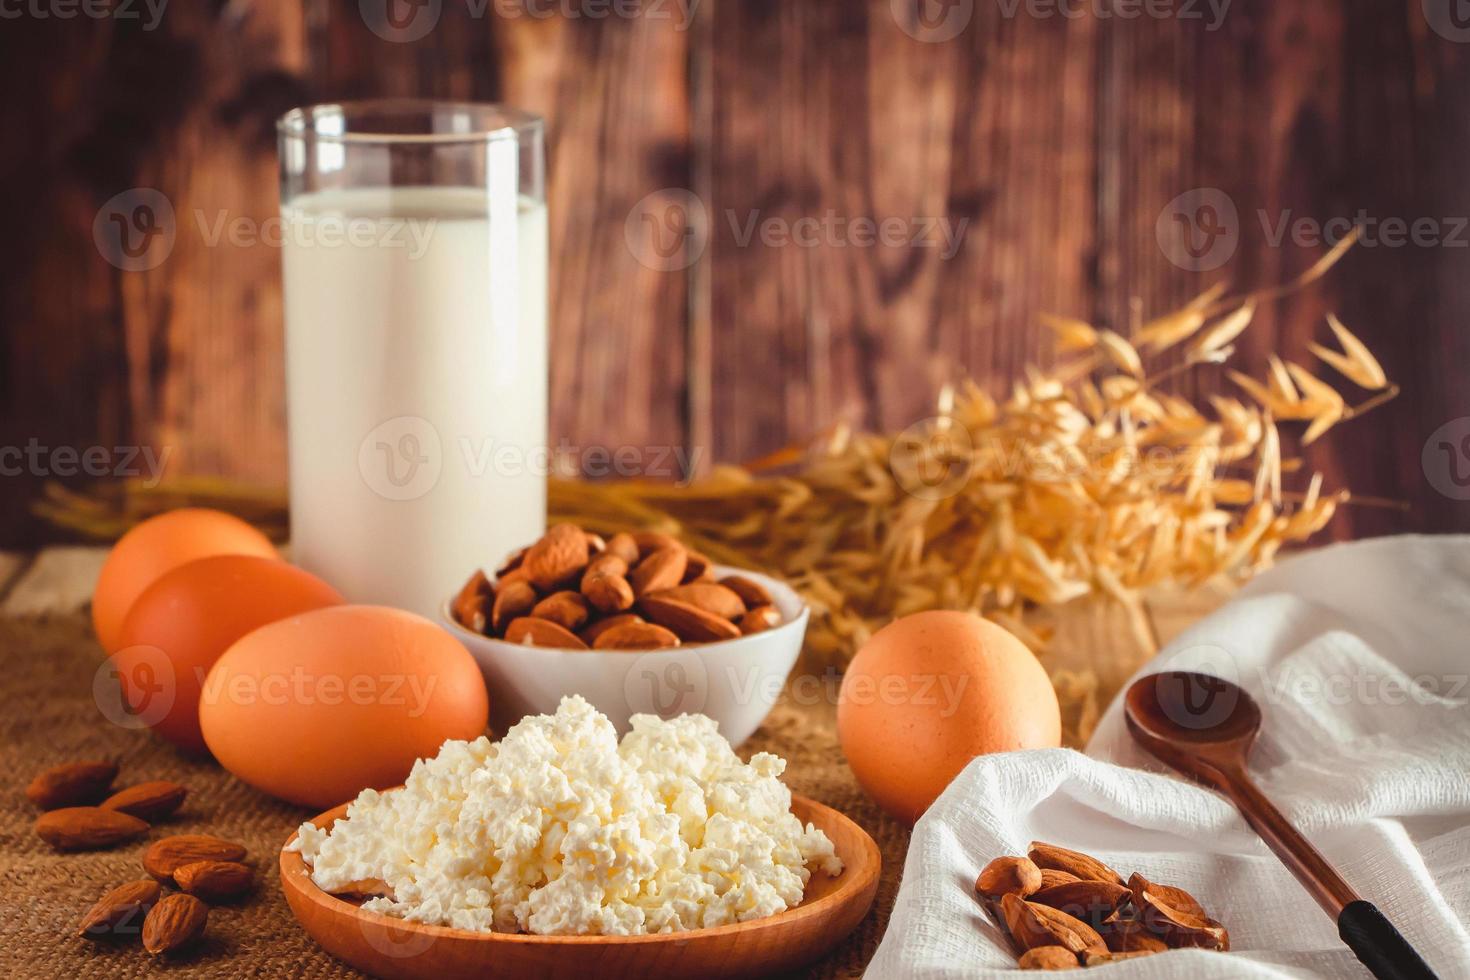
point(416, 384)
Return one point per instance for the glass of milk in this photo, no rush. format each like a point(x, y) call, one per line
point(414, 250)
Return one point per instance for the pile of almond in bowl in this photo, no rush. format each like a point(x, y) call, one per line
point(1062, 909)
point(573, 590)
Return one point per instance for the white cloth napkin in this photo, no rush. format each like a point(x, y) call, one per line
point(1357, 656)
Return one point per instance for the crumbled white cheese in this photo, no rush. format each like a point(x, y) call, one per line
point(559, 830)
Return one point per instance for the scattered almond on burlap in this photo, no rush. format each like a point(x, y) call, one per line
point(72, 784)
point(1061, 909)
point(633, 591)
point(175, 922)
point(151, 801)
point(215, 881)
point(172, 853)
point(88, 828)
point(120, 912)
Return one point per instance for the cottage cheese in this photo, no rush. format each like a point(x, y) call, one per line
point(560, 830)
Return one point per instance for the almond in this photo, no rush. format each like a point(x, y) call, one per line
point(1035, 925)
point(636, 635)
point(120, 912)
point(709, 596)
point(542, 633)
point(71, 784)
point(1049, 958)
point(751, 592)
point(623, 546)
point(650, 541)
point(1129, 935)
point(596, 544)
point(1072, 862)
point(148, 801)
point(87, 828)
point(1175, 898)
point(1091, 901)
point(661, 570)
point(1051, 877)
point(471, 607)
point(1175, 916)
point(1098, 959)
point(593, 630)
point(609, 563)
point(215, 881)
point(759, 619)
point(168, 855)
point(610, 593)
point(512, 600)
point(512, 563)
point(175, 922)
point(557, 558)
point(566, 609)
point(698, 568)
point(690, 623)
point(1008, 876)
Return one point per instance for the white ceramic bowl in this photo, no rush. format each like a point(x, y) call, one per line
point(735, 682)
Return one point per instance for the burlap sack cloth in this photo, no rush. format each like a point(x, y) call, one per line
point(49, 716)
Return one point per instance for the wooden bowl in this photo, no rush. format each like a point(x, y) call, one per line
point(394, 949)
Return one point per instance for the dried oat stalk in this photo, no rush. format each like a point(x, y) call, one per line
point(1085, 480)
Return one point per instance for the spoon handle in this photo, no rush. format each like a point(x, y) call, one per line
point(1303, 860)
point(1368, 933)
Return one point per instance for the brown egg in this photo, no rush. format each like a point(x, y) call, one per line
point(316, 707)
point(931, 691)
point(183, 622)
point(154, 547)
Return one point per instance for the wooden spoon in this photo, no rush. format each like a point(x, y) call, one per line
point(1204, 727)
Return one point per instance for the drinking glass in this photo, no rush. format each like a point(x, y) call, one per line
point(414, 256)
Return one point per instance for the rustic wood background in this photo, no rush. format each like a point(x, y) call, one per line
point(1060, 138)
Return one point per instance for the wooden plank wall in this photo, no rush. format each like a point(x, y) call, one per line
point(1056, 140)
